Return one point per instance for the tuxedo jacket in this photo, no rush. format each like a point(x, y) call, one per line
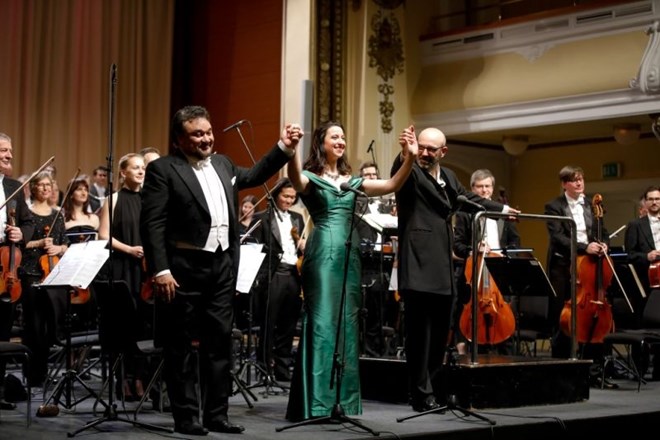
point(23, 214)
point(507, 233)
point(639, 242)
point(559, 248)
point(268, 234)
point(174, 209)
point(425, 232)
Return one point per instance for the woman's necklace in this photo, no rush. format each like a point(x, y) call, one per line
point(333, 176)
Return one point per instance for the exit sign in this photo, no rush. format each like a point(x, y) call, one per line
point(612, 169)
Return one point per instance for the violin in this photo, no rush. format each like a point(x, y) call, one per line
point(495, 319)
point(47, 262)
point(594, 313)
point(10, 257)
point(654, 275)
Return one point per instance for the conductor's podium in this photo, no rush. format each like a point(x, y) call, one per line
point(494, 381)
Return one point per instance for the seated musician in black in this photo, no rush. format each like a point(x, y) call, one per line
point(498, 234)
point(375, 277)
point(279, 298)
point(642, 243)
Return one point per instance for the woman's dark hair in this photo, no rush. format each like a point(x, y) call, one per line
point(316, 160)
point(68, 202)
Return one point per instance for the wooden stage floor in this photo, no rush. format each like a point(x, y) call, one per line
point(624, 409)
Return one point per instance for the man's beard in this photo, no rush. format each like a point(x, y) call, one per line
point(427, 164)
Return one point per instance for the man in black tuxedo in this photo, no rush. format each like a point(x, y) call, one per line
point(19, 234)
point(279, 296)
point(642, 238)
point(572, 203)
point(190, 237)
point(425, 205)
point(642, 243)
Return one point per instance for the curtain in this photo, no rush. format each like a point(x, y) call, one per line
point(55, 86)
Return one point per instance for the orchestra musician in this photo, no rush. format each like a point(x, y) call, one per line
point(127, 266)
point(17, 235)
point(642, 243)
point(498, 234)
point(572, 203)
point(40, 255)
point(374, 281)
point(99, 189)
point(279, 296)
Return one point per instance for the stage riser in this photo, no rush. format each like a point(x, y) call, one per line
point(488, 384)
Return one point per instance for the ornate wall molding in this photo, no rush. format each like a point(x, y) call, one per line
point(386, 56)
point(330, 22)
point(648, 78)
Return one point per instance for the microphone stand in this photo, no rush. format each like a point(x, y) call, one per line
point(110, 413)
point(337, 414)
point(268, 380)
point(269, 195)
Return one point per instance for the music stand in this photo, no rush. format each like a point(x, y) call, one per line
point(114, 299)
point(70, 375)
point(518, 273)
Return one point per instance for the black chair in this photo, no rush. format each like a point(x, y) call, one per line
point(533, 325)
point(11, 351)
point(638, 342)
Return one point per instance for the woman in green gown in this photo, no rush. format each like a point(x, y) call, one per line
point(331, 210)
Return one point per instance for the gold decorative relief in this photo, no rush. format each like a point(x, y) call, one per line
point(386, 56)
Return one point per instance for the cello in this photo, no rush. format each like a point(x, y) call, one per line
point(594, 313)
point(495, 319)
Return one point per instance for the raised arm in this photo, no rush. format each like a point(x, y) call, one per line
point(294, 171)
point(409, 150)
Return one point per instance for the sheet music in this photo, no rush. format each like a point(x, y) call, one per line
point(248, 266)
point(381, 221)
point(79, 265)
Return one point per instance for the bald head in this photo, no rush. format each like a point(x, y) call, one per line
point(433, 135)
point(432, 147)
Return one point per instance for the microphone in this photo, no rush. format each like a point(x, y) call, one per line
point(465, 201)
point(346, 187)
point(371, 146)
point(234, 125)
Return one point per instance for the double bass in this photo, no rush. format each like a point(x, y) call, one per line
point(594, 313)
point(495, 319)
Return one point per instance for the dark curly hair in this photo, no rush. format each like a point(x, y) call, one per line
point(317, 160)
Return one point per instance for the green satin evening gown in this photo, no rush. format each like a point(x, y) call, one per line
point(322, 279)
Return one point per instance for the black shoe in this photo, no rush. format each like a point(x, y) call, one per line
point(224, 426)
point(598, 382)
point(425, 405)
point(6, 406)
point(190, 428)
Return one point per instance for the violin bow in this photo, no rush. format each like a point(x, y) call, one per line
point(623, 291)
point(302, 233)
point(253, 208)
point(20, 188)
point(66, 194)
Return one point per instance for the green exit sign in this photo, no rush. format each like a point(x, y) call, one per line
point(612, 169)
